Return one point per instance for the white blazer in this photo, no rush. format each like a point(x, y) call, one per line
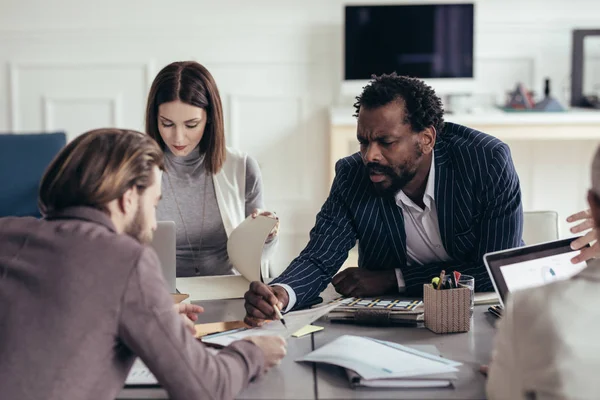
point(230, 189)
point(548, 342)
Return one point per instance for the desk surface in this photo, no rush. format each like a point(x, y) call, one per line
point(472, 349)
point(292, 380)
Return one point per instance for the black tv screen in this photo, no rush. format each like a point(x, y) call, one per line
point(424, 41)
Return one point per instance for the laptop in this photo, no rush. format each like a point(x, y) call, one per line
point(163, 244)
point(531, 266)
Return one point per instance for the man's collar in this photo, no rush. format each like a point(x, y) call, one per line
point(430, 189)
point(84, 213)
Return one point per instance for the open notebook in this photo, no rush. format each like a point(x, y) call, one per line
point(245, 248)
point(377, 363)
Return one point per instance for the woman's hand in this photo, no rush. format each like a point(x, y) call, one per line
point(269, 214)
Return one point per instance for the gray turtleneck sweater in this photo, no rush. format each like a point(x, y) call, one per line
point(201, 236)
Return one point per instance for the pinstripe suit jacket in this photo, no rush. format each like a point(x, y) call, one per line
point(478, 201)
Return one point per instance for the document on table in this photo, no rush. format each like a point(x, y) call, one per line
point(140, 375)
point(294, 320)
point(374, 359)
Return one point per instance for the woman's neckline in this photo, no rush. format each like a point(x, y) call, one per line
point(193, 158)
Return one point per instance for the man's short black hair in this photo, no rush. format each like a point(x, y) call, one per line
point(423, 107)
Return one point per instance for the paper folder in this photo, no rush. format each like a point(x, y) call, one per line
point(245, 249)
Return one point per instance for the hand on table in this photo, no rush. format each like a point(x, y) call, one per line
point(273, 348)
point(269, 214)
point(259, 302)
point(361, 282)
point(189, 314)
point(585, 224)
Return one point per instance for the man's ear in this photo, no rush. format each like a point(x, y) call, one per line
point(594, 203)
point(128, 201)
point(428, 137)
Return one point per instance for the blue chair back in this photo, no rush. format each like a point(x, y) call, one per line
point(23, 161)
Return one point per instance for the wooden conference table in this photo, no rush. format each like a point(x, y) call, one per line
point(293, 380)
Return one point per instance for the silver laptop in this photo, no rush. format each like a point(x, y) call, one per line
point(530, 266)
point(163, 243)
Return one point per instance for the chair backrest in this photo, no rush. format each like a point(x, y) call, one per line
point(540, 226)
point(23, 160)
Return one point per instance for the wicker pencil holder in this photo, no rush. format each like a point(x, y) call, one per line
point(448, 310)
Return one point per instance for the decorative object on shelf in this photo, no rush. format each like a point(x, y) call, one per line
point(548, 103)
point(520, 99)
point(578, 98)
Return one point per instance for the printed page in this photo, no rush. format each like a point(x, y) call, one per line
point(139, 374)
point(374, 360)
point(294, 320)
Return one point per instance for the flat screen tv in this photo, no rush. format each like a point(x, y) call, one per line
point(429, 41)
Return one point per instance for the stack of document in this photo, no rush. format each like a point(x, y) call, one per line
point(384, 311)
point(377, 363)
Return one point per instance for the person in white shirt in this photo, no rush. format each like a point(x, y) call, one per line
point(546, 346)
point(422, 195)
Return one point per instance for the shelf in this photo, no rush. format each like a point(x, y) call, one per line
point(343, 116)
point(577, 124)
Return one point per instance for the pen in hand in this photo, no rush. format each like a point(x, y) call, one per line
point(279, 316)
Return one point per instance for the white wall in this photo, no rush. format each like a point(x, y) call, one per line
point(77, 65)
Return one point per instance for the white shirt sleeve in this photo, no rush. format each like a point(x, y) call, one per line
point(291, 296)
point(400, 280)
point(504, 376)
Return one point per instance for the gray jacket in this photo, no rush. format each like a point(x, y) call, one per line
point(78, 302)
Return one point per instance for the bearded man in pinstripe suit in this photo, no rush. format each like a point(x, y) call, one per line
point(422, 195)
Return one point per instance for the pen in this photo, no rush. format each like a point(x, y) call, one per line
point(278, 313)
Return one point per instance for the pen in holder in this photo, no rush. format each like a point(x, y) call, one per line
point(448, 310)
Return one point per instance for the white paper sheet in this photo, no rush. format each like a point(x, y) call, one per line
point(139, 374)
point(372, 359)
point(246, 243)
point(294, 320)
point(244, 248)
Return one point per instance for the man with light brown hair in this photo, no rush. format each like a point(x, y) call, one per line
point(81, 295)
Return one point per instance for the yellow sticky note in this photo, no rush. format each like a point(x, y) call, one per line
point(307, 329)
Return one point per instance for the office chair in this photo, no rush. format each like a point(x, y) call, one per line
point(540, 226)
point(23, 160)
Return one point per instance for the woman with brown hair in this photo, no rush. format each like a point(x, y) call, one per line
point(208, 188)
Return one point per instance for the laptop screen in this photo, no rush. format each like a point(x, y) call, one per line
point(531, 266)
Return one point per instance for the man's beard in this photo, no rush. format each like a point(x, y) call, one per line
point(136, 229)
point(397, 180)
